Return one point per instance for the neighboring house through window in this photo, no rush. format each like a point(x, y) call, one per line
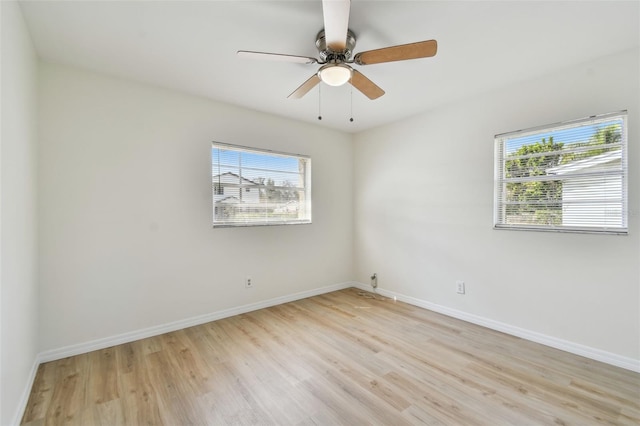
point(259, 187)
point(230, 185)
point(569, 176)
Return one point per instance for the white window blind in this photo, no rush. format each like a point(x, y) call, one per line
point(568, 176)
point(259, 187)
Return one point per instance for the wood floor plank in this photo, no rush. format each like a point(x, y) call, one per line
point(104, 372)
point(346, 357)
point(176, 399)
point(69, 390)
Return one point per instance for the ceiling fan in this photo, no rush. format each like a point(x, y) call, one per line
point(335, 44)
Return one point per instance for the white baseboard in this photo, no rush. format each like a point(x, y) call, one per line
point(564, 345)
point(107, 342)
point(24, 398)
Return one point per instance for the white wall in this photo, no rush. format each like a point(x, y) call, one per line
point(126, 238)
point(424, 212)
point(18, 218)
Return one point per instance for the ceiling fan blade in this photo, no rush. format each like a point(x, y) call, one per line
point(336, 23)
point(305, 87)
point(421, 49)
point(366, 86)
point(276, 57)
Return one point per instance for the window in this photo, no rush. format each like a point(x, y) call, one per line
point(569, 176)
point(258, 187)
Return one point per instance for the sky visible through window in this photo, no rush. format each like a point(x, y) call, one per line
point(252, 165)
point(566, 136)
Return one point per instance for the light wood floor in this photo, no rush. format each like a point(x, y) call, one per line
point(339, 358)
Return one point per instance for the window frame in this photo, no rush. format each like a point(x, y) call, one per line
point(501, 181)
point(303, 208)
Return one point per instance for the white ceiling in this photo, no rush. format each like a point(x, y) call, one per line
point(191, 46)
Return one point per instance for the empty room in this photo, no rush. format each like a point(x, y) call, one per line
point(320, 212)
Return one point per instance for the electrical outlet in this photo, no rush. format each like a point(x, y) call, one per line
point(460, 287)
point(374, 280)
point(248, 283)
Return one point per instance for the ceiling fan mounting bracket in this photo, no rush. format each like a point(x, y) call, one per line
point(329, 55)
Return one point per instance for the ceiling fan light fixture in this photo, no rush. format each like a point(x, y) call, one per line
point(335, 74)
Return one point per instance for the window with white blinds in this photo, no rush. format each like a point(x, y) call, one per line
point(259, 187)
point(568, 176)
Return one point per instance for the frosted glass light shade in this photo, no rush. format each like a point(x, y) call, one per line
point(335, 74)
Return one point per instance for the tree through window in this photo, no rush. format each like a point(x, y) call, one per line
point(568, 177)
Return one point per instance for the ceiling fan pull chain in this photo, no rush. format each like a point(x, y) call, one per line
point(351, 97)
point(319, 101)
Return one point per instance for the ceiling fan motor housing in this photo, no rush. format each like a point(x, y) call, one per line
point(329, 55)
